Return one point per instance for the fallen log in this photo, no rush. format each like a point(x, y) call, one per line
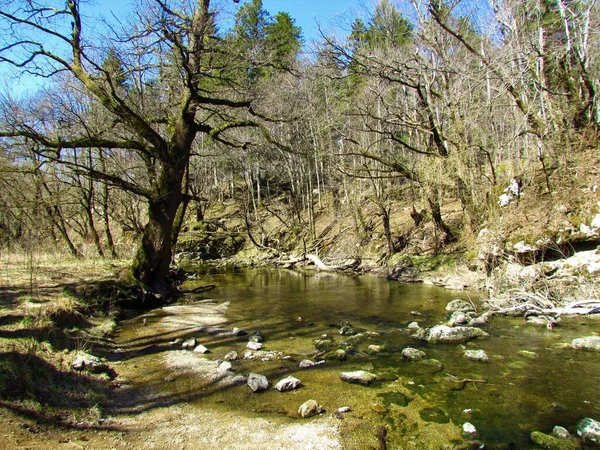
point(351, 264)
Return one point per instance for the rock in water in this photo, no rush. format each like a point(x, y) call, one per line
point(586, 343)
point(459, 305)
point(257, 382)
point(201, 349)
point(189, 343)
point(477, 355)
point(306, 363)
point(589, 430)
point(413, 353)
point(288, 384)
point(254, 345)
point(310, 408)
point(446, 334)
point(358, 376)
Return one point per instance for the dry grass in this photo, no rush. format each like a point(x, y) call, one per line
point(44, 322)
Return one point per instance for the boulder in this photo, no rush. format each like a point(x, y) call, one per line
point(586, 343)
point(310, 408)
point(358, 376)
point(446, 334)
point(459, 305)
point(589, 430)
point(413, 353)
point(413, 326)
point(257, 382)
point(288, 384)
point(477, 355)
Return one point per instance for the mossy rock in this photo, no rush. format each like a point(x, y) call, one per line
point(552, 443)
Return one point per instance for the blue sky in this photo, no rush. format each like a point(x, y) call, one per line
point(329, 16)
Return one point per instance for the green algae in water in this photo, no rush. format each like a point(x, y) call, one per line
point(393, 398)
point(436, 415)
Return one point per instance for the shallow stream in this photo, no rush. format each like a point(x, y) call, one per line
point(532, 382)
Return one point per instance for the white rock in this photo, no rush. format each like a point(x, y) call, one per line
point(189, 343)
point(469, 429)
point(201, 349)
point(254, 345)
point(225, 366)
point(288, 384)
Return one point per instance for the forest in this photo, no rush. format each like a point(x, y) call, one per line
point(146, 123)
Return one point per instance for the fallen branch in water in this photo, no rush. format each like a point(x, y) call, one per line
point(455, 379)
point(196, 290)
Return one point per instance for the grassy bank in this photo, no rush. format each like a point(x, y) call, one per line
point(46, 319)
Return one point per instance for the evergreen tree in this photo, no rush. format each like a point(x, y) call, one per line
point(283, 39)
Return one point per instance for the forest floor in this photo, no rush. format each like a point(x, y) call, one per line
point(48, 405)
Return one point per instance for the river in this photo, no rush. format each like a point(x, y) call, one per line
point(532, 382)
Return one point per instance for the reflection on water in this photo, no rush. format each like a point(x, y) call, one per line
point(532, 381)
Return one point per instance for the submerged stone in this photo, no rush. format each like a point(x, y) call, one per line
point(358, 376)
point(586, 343)
point(310, 408)
point(413, 353)
point(446, 334)
point(477, 355)
point(552, 443)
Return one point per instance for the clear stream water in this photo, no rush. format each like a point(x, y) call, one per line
point(533, 380)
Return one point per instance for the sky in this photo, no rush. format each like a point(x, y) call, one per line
point(312, 16)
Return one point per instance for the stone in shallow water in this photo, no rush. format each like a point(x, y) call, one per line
point(550, 442)
point(477, 355)
point(254, 345)
point(225, 366)
point(231, 356)
point(446, 334)
point(358, 376)
point(310, 408)
point(306, 363)
point(189, 343)
point(201, 349)
point(589, 430)
point(459, 305)
point(469, 430)
point(413, 353)
point(257, 382)
point(288, 384)
point(586, 343)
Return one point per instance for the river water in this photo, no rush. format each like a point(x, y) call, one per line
point(532, 382)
